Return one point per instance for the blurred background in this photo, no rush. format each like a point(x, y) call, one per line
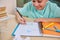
point(20, 3)
point(9, 4)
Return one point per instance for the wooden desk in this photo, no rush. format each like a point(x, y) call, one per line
point(10, 25)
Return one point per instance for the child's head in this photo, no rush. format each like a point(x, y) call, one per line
point(39, 4)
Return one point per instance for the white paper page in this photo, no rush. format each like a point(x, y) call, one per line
point(30, 29)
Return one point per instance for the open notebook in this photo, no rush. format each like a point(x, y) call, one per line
point(33, 29)
point(28, 29)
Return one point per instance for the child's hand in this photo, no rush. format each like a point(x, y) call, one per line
point(40, 20)
point(37, 20)
point(21, 20)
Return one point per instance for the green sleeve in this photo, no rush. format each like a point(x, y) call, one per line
point(56, 11)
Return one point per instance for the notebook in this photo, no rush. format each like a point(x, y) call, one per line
point(28, 29)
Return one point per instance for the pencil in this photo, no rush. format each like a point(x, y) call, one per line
point(48, 25)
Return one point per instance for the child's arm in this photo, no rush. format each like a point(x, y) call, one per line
point(47, 20)
point(19, 18)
